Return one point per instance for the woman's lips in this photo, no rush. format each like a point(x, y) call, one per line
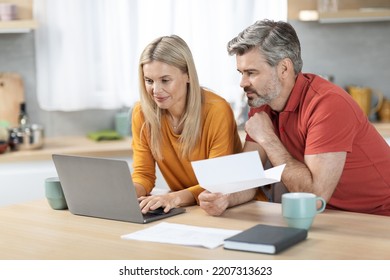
point(161, 99)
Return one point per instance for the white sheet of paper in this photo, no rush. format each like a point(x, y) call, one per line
point(233, 173)
point(182, 235)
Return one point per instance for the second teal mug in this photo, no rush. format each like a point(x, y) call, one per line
point(299, 209)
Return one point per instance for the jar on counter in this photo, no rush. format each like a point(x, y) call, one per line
point(384, 111)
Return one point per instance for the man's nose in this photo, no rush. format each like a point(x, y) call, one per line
point(244, 81)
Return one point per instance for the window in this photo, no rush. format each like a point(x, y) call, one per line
point(87, 51)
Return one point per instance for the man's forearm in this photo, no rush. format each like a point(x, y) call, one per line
point(241, 197)
point(296, 175)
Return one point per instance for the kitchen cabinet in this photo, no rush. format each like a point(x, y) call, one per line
point(24, 22)
point(22, 173)
point(348, 11)
point(23, 181)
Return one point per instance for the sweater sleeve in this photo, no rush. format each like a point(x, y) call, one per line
point(144, 165)
point(196, 190)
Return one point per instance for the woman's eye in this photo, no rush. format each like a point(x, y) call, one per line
point(148, 81)
point(165, 80)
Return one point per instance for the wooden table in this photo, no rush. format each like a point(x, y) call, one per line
point(34, 231)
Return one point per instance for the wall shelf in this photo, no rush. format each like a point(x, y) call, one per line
point(17, 26)
point(361, 15)
point(25, 20)
point(348, 11)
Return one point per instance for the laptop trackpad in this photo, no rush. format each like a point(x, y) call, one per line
point(158, 211)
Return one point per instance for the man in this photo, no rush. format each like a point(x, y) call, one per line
point(311, 125)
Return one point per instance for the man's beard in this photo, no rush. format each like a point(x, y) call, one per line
point(259, 101)
point(269, 94)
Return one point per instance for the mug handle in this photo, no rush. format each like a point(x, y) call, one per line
point(323, 204)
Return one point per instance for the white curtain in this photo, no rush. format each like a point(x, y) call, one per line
point(87, 50)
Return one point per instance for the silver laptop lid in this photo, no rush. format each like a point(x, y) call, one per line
point(102, 188)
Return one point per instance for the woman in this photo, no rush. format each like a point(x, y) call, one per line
point(176, 122)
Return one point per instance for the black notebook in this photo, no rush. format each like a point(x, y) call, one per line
point(265, 239)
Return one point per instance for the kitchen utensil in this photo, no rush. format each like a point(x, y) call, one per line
point(28, 137)
point(363, 97)
point(11, 96)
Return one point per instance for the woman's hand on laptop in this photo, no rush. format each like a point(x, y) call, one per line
point(167, 201)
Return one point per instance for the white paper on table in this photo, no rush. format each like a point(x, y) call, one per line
point(233, 173)
point(182, 235)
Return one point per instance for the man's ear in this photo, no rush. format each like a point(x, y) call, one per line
point(285, 68)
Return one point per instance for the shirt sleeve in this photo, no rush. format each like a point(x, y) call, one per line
point(331, 125)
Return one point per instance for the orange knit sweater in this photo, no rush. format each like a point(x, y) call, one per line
point(219, 137)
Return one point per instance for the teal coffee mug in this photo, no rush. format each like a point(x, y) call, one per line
point(54, 194)
point(299, 209)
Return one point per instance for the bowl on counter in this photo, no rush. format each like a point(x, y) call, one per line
point(30, 137)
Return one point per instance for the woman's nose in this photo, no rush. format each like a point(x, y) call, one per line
point(156, 88)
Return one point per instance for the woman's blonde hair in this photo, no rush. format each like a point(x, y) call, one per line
point(174, 51)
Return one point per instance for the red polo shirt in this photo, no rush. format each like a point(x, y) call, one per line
point(320, 117)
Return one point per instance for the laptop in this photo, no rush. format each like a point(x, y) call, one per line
point(102, 188)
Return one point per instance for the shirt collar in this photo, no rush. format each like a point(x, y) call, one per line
point(296, 93)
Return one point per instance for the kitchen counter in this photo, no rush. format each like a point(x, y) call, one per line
point(76, 145)
point(79, 145)
point(383, 128)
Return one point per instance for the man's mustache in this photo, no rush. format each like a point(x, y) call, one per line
point(249, 89)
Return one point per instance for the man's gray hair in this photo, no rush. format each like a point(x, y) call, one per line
point(275, 40)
